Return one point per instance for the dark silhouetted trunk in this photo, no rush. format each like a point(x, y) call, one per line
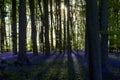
point(51, 16)
point(46, 24)
point(64, 42)
point(2, 26)
point(68, 27)
point(60, 27)
point(86, 45)
point(34, 32)
point(104, 36)
point(0, 29)
point(22, 57)
point(93, 40)
point(14, 27)
point(41, 34)
point(56, 25)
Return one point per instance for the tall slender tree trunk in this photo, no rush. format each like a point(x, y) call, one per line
point(34, 32)
point(0, 29)
point(56, 27)
point(93, 40)
point(14, 27)
point(22, 57)
point(104, 36)
point(3, 33)
point(0, 35)
point(68, 27)
point(41, 34)
point(51, 16)
point(3, 26)
point(64, 45)
point(86, 44)
point(60, 27)
point(46, 24)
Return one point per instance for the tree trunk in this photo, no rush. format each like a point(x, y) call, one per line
point(3, 26)
point(60, 29)
point(41, 34)
point(14, 27)
point(56, 25)
point(68, 28)
point(22, 57)
point(34, 32)
point(64, 45)
point(46, 24)
point(51, 16)
point(93, 40)
point(104, 36)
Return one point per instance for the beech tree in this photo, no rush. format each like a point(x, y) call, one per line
point(46, 25)
point(14, 27)
point(22, 57)
point(104, 36)
point(68, 27)
point(93, 40)
point(33, 27)
point(2, 46)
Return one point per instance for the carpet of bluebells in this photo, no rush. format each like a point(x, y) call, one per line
point(58, 66)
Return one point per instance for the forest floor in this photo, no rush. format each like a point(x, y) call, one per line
point(55, 67)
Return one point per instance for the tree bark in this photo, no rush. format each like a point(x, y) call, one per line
point(33, 26)
point(93, 40)
point(14, 27)
point(46, 24)
point(22, 57)
point(104, 36)
point(60, 27)
point(68, 28)
point(3, 26)
point(51, 17)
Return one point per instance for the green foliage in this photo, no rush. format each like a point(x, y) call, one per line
point(113, 23)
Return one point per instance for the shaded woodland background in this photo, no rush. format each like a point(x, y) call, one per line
point(60, 20)
point(64, 19)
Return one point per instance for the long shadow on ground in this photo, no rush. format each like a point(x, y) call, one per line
point(83, 66)
point(71, 68)
point(44, 73)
